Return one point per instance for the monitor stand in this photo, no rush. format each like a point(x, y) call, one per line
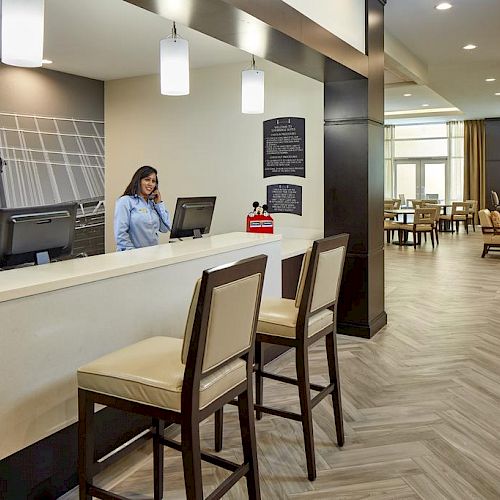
point(42, 258)
point(196, 233)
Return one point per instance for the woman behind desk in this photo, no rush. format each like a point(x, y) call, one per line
point(140, 212)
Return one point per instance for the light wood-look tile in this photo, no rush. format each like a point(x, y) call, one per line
point(421, 399)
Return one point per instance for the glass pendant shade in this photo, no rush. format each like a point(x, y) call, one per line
point(22, 32)
point(252, 91)
point(174, 66)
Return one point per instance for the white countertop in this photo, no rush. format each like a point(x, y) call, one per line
point(290, 247)
point(33, 280)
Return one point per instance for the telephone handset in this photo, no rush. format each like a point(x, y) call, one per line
point(152, 196)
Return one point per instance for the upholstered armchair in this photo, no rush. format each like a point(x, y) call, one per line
point(491, 234)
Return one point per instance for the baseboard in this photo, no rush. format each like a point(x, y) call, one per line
point(363, 330)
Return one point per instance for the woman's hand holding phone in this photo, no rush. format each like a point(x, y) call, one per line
point(155, 196)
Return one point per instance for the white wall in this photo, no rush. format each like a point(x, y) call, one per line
point(343, 18)
point(202, 145)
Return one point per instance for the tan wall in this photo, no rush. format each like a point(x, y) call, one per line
point(42, 92)
point(203, 145)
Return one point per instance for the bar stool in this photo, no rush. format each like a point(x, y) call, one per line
point(300, 323)
point(184, 381)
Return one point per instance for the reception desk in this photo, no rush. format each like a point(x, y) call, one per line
point(57, 317)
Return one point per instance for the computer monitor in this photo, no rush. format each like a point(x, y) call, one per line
point(36, 234)
point(192, 216)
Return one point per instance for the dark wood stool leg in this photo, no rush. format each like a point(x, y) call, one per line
point(333, 369)
point(249, 441)
point(432, 237)
point(302, 362)
point(158, 459)
point(219, 428)
point(259, 380)
point(191, 458)
point(85, 443)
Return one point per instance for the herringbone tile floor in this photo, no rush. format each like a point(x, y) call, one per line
point(421, 399)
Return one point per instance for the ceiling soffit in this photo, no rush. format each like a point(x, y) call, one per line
point(270, 29)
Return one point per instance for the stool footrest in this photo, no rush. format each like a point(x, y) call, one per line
point(103, 494)
point(229, 482)
point(208, 457)
point(288, 380)
point(325, 392)
point(279, 413)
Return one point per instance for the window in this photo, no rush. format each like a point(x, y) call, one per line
point(424, 159)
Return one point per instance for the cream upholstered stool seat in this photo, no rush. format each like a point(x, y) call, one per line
point(279, 317)
point(151, 372)
point(298, 324)
point(184, 381)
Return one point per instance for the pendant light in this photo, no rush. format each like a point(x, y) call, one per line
point(174, 65)
point(252, 90)
point(22, 32)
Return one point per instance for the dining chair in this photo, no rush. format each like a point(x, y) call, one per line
point(184, 381)
point(423, 222)
point(389, 205)
point(459, 213)
point(472, 215)
point(437, 214)
point(494, 200)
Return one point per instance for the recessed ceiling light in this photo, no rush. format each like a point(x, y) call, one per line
point(497, 93)
point(425, 105)
point(490, 80)
point(444, 6)
point(407, 95)
point(470, 47)
point(46, 61)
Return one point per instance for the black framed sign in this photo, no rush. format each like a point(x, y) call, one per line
point(284, 147)
point(284, 199)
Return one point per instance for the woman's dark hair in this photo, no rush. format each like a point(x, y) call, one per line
point(134, 188)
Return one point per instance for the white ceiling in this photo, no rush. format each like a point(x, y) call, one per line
point(110, 39)
point(436, 38)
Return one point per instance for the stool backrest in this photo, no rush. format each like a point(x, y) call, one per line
point(223, 315)
point(321, 275)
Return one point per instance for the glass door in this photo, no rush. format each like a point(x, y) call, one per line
point(420, 179)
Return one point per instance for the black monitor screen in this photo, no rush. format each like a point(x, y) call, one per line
point(36, 234)
point(192, 216)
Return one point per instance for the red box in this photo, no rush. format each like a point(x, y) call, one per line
point(260, 224)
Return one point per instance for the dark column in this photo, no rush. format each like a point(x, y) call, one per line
point(492, 132)
point(354, 183)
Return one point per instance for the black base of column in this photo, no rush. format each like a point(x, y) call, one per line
point(363, 330)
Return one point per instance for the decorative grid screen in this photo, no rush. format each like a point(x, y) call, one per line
point(51, 160)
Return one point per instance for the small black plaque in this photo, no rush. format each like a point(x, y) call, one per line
point(284, 147)
point(284, 199)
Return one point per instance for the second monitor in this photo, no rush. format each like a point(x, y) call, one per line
point(192, 216)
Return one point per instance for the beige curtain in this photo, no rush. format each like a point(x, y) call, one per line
point(474, 162)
